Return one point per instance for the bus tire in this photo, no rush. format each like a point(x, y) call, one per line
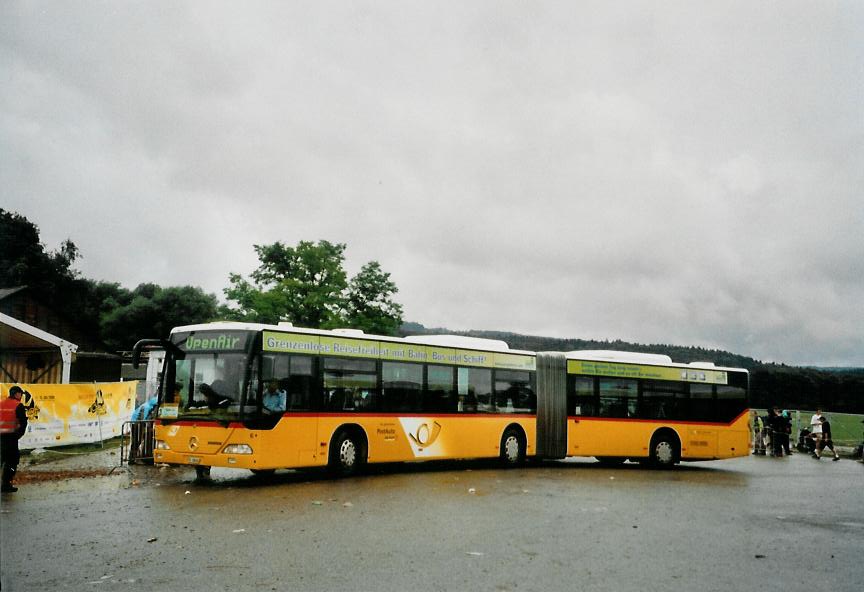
point(665, 449)
point(263, 472)
point(512, 447)
point(347, 453)
point(202, 472)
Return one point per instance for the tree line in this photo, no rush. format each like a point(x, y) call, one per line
point(307, 285)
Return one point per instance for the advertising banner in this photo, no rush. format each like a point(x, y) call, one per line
point(385, 350)
point(63, 414)
point(646, 372)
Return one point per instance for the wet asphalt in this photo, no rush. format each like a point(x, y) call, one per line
point(744, 524)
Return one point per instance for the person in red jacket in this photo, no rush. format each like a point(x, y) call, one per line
point(13, 425)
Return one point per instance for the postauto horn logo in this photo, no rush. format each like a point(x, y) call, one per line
point(422, 435)
point(425, 435)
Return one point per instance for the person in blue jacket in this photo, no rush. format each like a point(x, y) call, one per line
point(139, 436)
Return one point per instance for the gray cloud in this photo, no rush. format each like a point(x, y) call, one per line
point(660, 172)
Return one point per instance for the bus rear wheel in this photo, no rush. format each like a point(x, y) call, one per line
point(512, 448)
point(664, 450)
point(347, 454)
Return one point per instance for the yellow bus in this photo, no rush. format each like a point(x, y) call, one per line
point(265, 397)
point(268, 397)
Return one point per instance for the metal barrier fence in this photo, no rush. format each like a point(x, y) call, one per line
point(137, 440)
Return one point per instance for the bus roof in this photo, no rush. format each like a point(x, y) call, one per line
point(457, 341)
point(451, 341)
point(624, 357)
point(460, 341)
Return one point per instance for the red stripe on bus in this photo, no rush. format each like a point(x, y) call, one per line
point(349, 415)
point(237, 424)
point(471, 415)
point(189, 422)
point(664, 421)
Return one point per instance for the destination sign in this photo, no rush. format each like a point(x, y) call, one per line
point(210, 341)
point(646, 372)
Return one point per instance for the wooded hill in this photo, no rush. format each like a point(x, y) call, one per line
point(788, 387)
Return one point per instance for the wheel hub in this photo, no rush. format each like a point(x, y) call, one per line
point(665, 453)
point(511, 449)
point(347, 453)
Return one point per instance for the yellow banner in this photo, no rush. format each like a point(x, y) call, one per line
point(398, 352)
point(385, 350)
point(63, 414)
point(646, 372)
point(515, 361)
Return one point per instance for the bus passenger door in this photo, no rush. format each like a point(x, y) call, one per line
point(301, 421)
point(287, 399)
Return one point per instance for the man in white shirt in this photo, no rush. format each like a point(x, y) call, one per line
point(816, 428)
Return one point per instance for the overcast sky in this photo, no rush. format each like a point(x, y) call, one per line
point(659, 172)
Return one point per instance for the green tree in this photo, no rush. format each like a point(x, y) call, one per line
point(302, 284)
point(308, 286)
point(25, 262)
point(369, 304)
point(153, 311)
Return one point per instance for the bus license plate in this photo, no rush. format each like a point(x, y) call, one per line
point(194, 460)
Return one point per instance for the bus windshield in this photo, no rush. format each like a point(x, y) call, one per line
point(209, 384)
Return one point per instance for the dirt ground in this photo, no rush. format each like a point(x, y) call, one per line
point(78, 463)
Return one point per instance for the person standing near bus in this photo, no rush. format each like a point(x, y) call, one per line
point(826, 441)
point(775, 422)
point(786, 425)
point(13, 425)
point(758, 433)
point(816, 430)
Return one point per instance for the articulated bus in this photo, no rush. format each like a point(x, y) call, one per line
point(268, 397)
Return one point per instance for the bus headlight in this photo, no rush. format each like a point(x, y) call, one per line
point(237, 449)
point(162, 445)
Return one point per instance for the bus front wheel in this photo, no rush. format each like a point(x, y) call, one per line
point(347, 454)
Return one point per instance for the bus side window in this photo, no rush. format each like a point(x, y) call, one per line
point(300, 383)
point(731, 398)
point(475, 390)
point(662, 399)
point(439, 396)
point(402, 386)
point(618, 397)
point(350, 385)
point(274, 369)
point(701, 402)
point(513, 392)
point(580, 396)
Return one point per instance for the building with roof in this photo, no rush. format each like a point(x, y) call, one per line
point(38, 345)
